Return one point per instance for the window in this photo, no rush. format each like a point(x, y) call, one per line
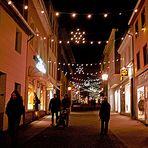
point(18, 41)
point(143, 18)
point(17, 87)
point(138, 60)
point(136, 29)
point(145, 54)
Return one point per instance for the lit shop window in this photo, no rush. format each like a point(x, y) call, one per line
point(30, 97)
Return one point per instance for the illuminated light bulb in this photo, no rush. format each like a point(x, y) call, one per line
point(44, 38)
point(26, 7)
point(37, 34)
point(42, 11)
point(106, 41)
point(71, 32)
point(122, 38)
point(57, 14)
point(105, 15)
point(83, 39)
point(89, 16)
point(136, 10)
point(10, 2)
point(68, 42)
point(71, 38)
point(74, 35)
point(52, 40)
point(120, 13)
point(78, 29)
point(91, 42)
point(99, 42)
point(60, 42)
point(73, 15)
point(83, 42)
point(83, 32)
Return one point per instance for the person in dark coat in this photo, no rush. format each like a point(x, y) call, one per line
point(54, 107)
point(36, 102)
point(14, 110)
point(104, 116)
point(66, 103)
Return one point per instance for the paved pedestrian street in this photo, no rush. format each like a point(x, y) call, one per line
point(83, 132)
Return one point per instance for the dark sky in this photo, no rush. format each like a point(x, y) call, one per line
point(97, 28)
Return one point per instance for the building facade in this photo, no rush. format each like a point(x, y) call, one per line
point(139, 24)
point(111, 67)
point(29, 62)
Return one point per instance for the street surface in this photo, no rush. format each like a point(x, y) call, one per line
point(83, 132)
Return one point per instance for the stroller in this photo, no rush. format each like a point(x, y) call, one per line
point(62, 118)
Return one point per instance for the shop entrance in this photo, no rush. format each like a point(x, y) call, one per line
point(2, 97)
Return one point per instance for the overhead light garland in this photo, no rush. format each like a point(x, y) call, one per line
point(78, 36)
point(90, 15)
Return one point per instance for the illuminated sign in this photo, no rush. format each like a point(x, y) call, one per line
point(124, 72)
point(40, 64)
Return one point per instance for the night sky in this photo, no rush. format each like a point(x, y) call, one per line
point(97, 28)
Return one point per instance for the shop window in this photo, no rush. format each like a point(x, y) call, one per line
point(145, 54)
point(143, 18)
point(138, 60)
point(140, 103)
point(30, 97)
point(18, 41)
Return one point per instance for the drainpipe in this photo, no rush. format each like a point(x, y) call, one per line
point(133, 93)
point(26, 78)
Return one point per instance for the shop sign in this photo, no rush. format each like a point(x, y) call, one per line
point(40, 65)
point(124, 72)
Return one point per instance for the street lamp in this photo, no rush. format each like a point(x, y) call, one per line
point(105, 78)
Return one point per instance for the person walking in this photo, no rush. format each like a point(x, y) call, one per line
point(36, 102)
point(66, 103)
point(54, 107)
point(104, 116)
point(14, 110)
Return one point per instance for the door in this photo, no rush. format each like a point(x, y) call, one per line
point(2, 97)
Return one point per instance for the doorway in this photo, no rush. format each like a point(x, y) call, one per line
point(2, 97)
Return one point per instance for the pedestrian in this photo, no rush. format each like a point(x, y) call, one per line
point(54, 107)
point(14, 110)
point(36, 102)
point(104, 116)
point(66, 104)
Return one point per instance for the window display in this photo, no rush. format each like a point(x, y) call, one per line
point(141, 102)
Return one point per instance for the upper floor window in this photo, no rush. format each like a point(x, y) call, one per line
point(138, 60)
point(145, 54)
point(143, 18)
point(18, 41)
point(17, 87)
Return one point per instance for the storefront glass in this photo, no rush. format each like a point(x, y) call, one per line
point(141, 102)
point(30, 97)
point(117, 101)
point(127, 98)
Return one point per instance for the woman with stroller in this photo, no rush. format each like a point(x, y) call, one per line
point(66, 103)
